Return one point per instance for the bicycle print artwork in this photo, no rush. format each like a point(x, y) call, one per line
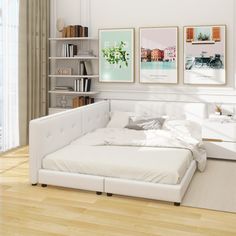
point(204, 54)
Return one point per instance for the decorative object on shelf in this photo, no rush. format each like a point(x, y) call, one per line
point(63, 88)
point(221, 118)
point(116, 54)
point(218, 110)
point(158, 55)
point(63, 102)
point(60, 25)
point(85, 53)
point(64, 71)
point(204, 55)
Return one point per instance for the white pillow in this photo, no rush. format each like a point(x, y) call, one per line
point(145, 124)
point(119, 119)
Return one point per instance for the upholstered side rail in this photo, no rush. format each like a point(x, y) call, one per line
point(50, 133)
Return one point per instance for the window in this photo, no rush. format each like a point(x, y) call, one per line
point(9, 127)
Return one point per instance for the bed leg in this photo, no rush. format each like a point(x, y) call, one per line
point(44, 185)
point(99, 193)
point(109, 194)
point(177, 203)
point(34, 184)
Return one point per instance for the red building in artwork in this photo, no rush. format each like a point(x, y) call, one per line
point(157, 55)
point(145, 54)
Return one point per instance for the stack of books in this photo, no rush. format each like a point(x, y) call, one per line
point(82, 85)
point(71, 31)
point(81, 101)
point(69, 50)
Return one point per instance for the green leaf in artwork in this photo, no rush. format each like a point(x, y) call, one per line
point(116, 55)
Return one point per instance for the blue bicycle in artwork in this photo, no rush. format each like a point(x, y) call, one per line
point(213, 62)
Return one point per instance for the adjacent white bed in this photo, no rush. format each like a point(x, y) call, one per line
point(81, 153)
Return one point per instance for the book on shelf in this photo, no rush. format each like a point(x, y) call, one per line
point(63, 88)
point(69, 50)
point(82, 85)
point(82, 68)
point(87, 85)
point(81, 101)
point(71, 31)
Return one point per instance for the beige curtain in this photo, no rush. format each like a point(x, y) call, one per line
point(33, 62)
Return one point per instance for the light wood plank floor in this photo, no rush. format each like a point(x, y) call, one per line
point(28, 210)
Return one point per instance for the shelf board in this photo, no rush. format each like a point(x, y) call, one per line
point(73, 58)
point(203, 42)
point(73, 76)
point(72, 39)
point(72, 92)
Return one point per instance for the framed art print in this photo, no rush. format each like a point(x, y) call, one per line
point(204, 55)
point(116, 55)
point(158, 55)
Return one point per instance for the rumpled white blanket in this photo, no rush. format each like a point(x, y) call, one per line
point(157, 138)
point(180, 135)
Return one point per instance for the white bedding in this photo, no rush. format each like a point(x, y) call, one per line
point(174, 136)
point(156, 165)
point(158, 156)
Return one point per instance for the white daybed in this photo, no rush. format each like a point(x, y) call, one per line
point(54, 153)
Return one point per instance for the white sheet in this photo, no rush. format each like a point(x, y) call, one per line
point(157, 165)
point(179, 138)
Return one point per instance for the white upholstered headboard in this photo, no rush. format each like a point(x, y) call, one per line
point(180, 110)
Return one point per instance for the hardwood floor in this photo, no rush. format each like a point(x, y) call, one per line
point(33, 210)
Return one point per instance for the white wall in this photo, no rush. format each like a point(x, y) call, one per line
point(132, 13)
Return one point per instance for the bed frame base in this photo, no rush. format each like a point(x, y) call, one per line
point(34, 184)
point(110, 186)
point(44, 185)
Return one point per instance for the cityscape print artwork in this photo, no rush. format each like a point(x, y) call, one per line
point(204, 55)
point(159, 55)
point(116, 55)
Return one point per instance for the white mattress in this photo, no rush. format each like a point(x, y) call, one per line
point(150, 164)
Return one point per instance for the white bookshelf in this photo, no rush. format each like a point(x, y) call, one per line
point(57, 61)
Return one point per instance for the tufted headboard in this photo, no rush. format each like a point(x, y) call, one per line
point(179, 110)
point(50, 133)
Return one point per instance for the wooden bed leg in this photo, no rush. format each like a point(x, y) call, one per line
point(34, 184)
point(44, 185)
point(177, 203)
point(109, 194)
point(99, 193)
